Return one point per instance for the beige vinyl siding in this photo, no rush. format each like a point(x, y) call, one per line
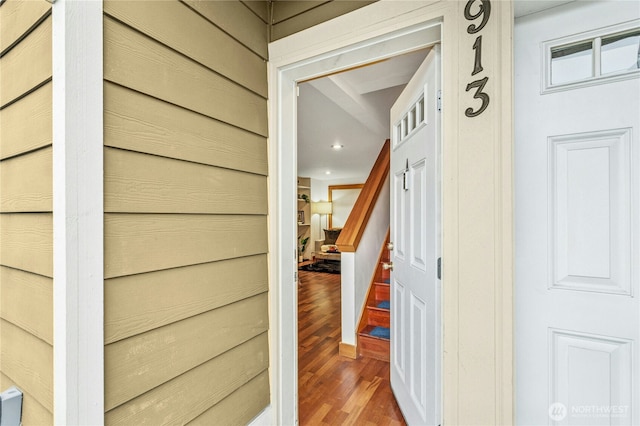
point(26, 125)
point(26, 234)
point(32, 194)
point(33, 413)
point(238, 20)
point(185, 226)
point(259, 7)
point(28, 63)
point(22, 17)
point(291, 16)
point(26, 292)
point(241, 404)
point(142, 304)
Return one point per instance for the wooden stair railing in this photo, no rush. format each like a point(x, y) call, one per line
point(375, 320)
point(356, 223)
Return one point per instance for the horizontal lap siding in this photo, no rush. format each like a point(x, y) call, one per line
point(238, 20)
point(23, 292)
point(259, 8)
point(199, 389)
point(147, 301)
point(185, 187)
point(143, 183)
point(33, 413)
point(290, 17)
point(241, 404)
point(27, 124)
point(136, 61)
point(141, 123)
point(26, 233)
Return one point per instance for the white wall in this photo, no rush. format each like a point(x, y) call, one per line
point(358, 268)
point(342, 203)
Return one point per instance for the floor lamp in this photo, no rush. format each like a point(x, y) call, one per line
point(322, 208)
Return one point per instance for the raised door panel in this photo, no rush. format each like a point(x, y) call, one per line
point(590, 379)
point(590, 232)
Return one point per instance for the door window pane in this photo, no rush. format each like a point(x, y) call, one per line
point(572, 63)
point(620, 53)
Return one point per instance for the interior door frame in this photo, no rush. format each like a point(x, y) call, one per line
point(383, 29)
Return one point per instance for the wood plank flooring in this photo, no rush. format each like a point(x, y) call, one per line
point(334, 390)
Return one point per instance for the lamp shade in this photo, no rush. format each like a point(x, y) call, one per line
point(321, 207)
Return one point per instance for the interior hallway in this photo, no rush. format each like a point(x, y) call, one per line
point(335, 390)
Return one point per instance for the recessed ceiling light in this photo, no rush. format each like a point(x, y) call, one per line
point(337, 146)
point(328, 172)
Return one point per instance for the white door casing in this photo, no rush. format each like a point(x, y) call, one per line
point(415, 233)
point(577, 239)
point(476, 184)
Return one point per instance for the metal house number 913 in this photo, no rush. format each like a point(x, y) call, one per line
point(483, 13)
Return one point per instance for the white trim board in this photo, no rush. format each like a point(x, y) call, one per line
point(477, 212)
point(263, 418)
point(78, 211)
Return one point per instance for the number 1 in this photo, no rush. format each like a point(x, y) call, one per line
point(477, 66)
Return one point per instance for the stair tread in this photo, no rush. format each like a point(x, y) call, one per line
point(376, 332)
point(378, 309)
point(384, 304)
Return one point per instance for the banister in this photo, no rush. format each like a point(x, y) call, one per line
point(356, 223)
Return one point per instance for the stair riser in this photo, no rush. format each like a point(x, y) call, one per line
point(378, 317)
point(381, 293)
point(385, 275)
point(373, 348)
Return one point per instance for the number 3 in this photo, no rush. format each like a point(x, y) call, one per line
point(479, 85)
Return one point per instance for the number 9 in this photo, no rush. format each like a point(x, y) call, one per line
point(485, 11)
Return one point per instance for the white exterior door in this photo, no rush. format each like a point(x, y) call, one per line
point(577, 121)
point(415, 233)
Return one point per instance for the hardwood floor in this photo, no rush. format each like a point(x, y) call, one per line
point(334, 390)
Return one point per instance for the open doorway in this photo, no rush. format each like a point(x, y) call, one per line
point(476, 183)
point(284, 164)
point(356, 103)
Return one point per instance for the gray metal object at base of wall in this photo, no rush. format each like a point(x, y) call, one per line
point(11, 407)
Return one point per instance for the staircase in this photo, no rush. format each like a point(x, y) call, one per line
point(374, 326)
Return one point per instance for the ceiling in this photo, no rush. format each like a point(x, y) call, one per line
point(352, 109)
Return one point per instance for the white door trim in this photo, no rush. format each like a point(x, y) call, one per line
point(477, 202)
point(78, 280)
point(383, 29)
